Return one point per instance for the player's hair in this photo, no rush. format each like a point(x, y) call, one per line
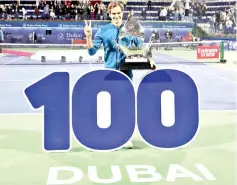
point(114, 4)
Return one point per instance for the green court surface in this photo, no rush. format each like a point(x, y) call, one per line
point(23, 161)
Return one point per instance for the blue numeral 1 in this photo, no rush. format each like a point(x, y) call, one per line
point(52, 92)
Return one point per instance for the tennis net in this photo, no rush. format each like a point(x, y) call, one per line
point(170, 52)
point(189, 52)
point(33, 54)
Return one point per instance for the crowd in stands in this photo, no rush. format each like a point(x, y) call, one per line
point(223, 21)
point(85, 9)
point(55, 9)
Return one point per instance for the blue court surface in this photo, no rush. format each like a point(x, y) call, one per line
point(216, 83)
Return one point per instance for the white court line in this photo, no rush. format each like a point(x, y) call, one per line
point(13, 60)
point(21, 114)
point(234, 111)
point(209, 74)
point(224, 68)
point(41, 113)
point(5, 80)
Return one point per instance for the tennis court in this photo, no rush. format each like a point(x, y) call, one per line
point(210, 159)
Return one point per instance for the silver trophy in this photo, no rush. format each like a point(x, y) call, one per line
point(131, 44)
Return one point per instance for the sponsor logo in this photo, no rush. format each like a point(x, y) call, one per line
point(205, 52)
point(74, 35)
point(60, 36)
point(134, 173)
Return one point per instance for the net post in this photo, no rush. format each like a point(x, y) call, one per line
point(222, 51)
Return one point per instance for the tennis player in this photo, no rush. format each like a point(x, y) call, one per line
point(106, 36)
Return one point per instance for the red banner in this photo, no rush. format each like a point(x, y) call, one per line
point(205, 52)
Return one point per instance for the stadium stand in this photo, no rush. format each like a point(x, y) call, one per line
point(217, 16)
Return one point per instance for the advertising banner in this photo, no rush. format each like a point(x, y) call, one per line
point(228, 44)
point(208, 52)
point(81, 24)
point(66, 35)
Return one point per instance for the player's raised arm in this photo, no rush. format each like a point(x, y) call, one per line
point(88, 33)
point(92, 44)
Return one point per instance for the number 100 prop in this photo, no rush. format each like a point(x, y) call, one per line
point(78, 111)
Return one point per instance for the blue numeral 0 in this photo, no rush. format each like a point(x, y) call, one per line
point(53, 93)
point(149, 109)
point(84, 110)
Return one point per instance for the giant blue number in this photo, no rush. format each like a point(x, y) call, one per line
point(53, 93)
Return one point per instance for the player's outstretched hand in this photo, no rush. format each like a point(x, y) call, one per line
point(87, 29)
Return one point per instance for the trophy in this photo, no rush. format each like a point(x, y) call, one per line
point(131, 44)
